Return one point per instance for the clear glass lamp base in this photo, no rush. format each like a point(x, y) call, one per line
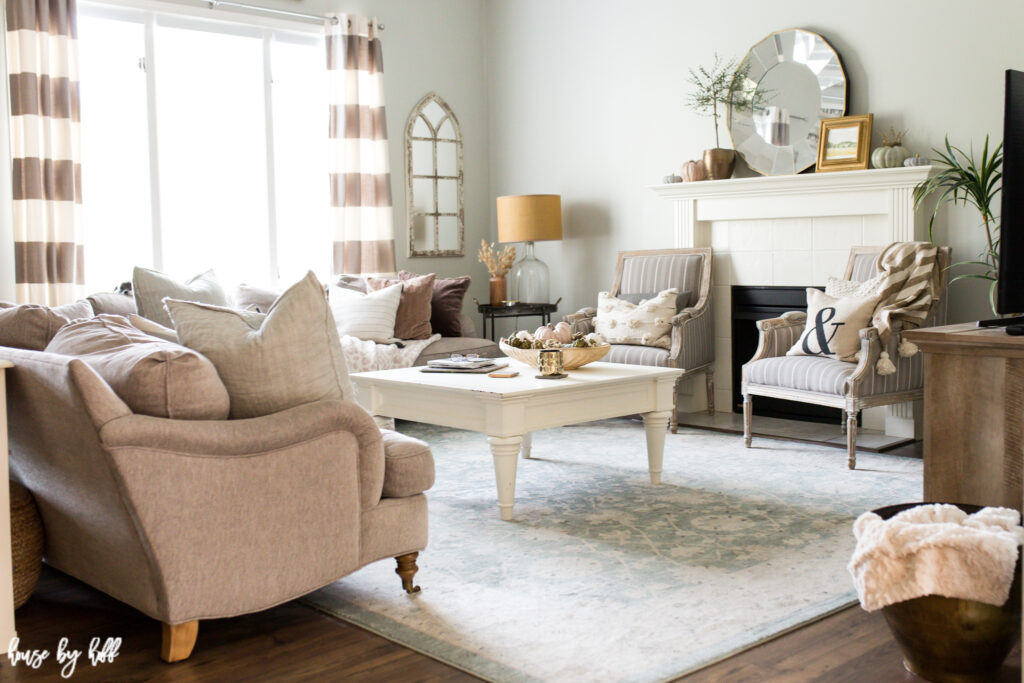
point(530, 279)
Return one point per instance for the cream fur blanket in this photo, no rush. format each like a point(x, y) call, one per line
point(935, 550)
point(364, 355)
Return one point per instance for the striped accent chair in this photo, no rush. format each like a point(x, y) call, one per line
point(829, 382)
point(644, 274)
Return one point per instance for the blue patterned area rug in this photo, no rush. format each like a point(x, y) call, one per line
point(604, 577)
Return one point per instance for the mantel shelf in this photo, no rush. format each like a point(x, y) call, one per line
point(802, 183)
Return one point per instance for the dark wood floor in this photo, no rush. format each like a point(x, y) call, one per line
point(293, 642)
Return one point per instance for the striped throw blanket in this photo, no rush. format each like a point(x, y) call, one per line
point(911, 280)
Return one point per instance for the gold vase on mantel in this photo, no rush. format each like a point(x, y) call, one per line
point(719, 163)
point(499, 290)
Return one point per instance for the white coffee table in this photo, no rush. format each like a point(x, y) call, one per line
point(508, 410)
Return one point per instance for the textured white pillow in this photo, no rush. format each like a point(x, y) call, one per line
point(842, 288)
point(833, 325)
point(646, 324)
point(366, 316)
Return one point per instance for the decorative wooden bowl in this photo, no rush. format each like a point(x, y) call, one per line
point(573, 357)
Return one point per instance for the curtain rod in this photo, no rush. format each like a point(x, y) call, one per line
point(313, 17)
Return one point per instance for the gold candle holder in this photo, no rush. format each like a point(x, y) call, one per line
point(550, 363)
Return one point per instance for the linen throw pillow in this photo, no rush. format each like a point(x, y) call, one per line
point(646, 324)
point(255, 298)
point(445, 303)
point(153, 329)
point(270, 363)
point(833, 325)
point(28, 326)
point(154, 377)
point(366, 316)
point(151, 288)
point(413, 318)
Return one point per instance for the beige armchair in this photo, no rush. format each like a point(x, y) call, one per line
point(642, 274)
point(830, 382)
point(204, 519)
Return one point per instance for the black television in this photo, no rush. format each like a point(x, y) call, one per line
point(1010, 290)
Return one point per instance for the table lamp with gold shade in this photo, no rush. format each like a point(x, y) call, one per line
point(530, 218)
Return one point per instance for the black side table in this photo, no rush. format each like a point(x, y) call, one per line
point(515, 311)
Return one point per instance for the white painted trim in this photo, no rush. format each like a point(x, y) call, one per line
point(268, 134)
point(204, 12)
point(800, 184)
point(156, 232)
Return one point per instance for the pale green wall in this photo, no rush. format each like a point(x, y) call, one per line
point(587, 100)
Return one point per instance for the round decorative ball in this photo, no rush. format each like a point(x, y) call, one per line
point(692, 171)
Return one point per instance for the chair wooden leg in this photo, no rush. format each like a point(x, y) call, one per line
point(842, 421)
point(748, 416)
point(709, 383)
point(178, 641)
point(851, 439)
point(673, 423)
point(407, 570)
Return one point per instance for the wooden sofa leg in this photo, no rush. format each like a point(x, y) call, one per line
point(748, 415)
point(851, 439)
point(407, 570)
point(709, 384)
point(178, 641)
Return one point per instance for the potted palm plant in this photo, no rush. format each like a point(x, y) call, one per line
point(716, 90)
point(962, 180)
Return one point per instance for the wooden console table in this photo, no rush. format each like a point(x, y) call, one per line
point(973, 414)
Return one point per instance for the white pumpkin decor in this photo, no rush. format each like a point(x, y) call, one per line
point(563, 332)
point(693, 171)
point(892, 153)
point(545, 332)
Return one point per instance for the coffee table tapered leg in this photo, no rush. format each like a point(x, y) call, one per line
point(506, 455)
point(655, 424)
point(527, 444)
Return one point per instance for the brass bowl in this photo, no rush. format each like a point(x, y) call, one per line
point(948, 640)
point(572, 357)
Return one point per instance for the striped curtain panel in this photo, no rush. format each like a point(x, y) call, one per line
point(42, 62)
point(364, 237)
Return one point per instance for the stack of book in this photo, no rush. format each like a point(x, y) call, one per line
point(477, 365)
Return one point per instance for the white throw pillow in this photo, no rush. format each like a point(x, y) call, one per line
point(833, 325)
point(269, 363)
point(648, 323)
point(842, 288)
point(366, 316)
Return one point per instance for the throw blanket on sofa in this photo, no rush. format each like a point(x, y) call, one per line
point(935, 550)
point(363, 355)
point(910, 281)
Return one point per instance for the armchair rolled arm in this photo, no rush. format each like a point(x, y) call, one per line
point(582, 320)
point(238, 532)
point(693, 337)
point(777, 335)
point(865, 380)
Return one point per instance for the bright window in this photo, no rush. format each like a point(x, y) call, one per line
point(203, 146)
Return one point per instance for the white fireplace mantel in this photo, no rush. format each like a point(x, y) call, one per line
point(793, 230)
point(886, 192)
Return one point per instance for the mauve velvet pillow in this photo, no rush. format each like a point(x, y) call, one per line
point(413, 318)
point(445, 303)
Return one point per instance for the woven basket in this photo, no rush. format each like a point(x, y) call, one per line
point(572, 357)
point(26, 543)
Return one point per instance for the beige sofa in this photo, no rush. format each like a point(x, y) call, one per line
point(188, 520)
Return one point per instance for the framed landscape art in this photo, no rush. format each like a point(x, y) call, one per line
point(844, 143)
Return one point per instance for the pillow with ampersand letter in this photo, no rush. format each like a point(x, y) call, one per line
point(833, 325)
